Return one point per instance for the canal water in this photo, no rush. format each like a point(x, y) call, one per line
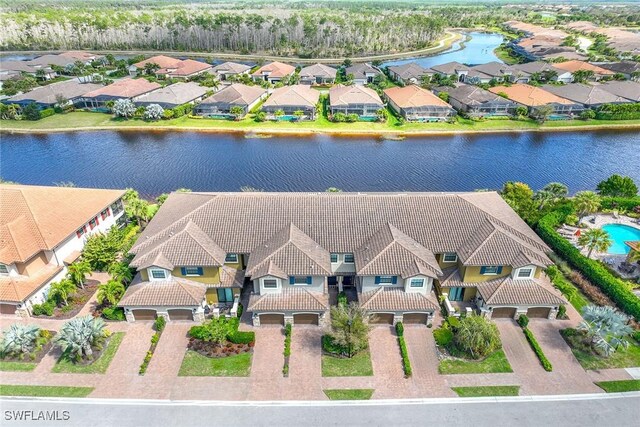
point(156, 162)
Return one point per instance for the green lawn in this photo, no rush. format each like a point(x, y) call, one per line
point(629, 358)
point(17, 366)
point(619, 386)
point(492, 390)
point(196, 365)
point(495, 363)
point(358, 366)
point(44, 391)
point(349, 394)
point(99, 366)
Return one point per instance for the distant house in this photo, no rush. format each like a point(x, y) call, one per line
point(291, 99)
point(491, 71)
point(318, 74)
point(13, 69)
point(477, 102)
point(49, 60)
point(171, 67)
point(416, 104)
point(523, 72)
point(455, 69)
point(173, 95)
point(534, 97)
point(591, 96)
point(235, 95)
point(629, 69)
point(47, 96)
point(354, 99)
point(362, 73)
point(573, 66)
point(273, 72)
point(82, 56)
point(121, 89)
point(409, 73)
point(227, 69)
point(625, 89)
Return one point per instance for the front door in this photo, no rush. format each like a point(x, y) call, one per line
point(225, 295)
point(456, 294)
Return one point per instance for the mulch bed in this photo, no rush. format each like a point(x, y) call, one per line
point(39, 355)
point(77, 302)
point(214, 350)
point(95, 355)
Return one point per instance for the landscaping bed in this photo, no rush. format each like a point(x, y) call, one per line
point(349, 394)
point(76, 303)
point(589, 360)
point(44, 391)
point(214, 350)
point(159, 325)
point(98, 365)
point(44, 342)
point(493, 390)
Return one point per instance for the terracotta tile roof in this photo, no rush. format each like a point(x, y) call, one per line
point(472, 95)
point(231, 67)
point(451, 278)
point(48, 94)
point(276, 69)
point(575, 65)
point(177, 292)
point(349, 95)
point(51, 59)
point(289, 299)
point(530, 96)
point(507, 291)
point(389, 249)
point(34, 218)
point(236, 94)
point(394, 299)
point(162, 61)
point(81, 55)
point(413, 96)
point(296, 95)
point(633, 244)
point(125, 88)
point(185, 68)
point(319, 70)
point(19, 288)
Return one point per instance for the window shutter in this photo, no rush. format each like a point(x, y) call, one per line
point(483, 270)
point(499, 269)
point(97, 222)
point(309, 280)
point(292, 280)
point(200, 272)
point(183, 271)
point(377, 280)
point(394, 280)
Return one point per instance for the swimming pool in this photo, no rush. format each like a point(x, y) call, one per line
point(619, 234)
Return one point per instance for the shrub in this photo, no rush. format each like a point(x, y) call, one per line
point(47, 112)
point(330, 346)
point(153, 112)
point(636, 336)
point(523, 321)
point(454, 322)
point(571, 220)
point(19, 340)
point(31, 112)
point(443, 336)
point(399, 329)
point(406, 363)
point(240, 337)
point(44, 309)
point(167, 114)
point(537, 350)
point(287, 340)
point(342, 298)
point(155, 338)
point(477, 337)
point(240, 310)
point(160, 323)
point(562, 311)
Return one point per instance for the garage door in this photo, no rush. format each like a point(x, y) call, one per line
point(503, 313)
point(144, 314)
point(539, 312)
point(415, 318)
point(272, 319)
point(305, 319)
point(180, 314)
point(7, 309)
point(381, 319)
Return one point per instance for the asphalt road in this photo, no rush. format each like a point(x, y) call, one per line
point(617, 410)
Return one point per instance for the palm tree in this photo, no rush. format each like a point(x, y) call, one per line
point(110, 292)
point(595, 238)
point(78, 337)
point(18, 340)
point(139, 209)
point(120, 272)
point(62, 290)
point(150, 68)
point(551, 193)
point(586, 202)
point(77, 273)
point(606, 328)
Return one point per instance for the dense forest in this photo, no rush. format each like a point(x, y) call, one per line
point(302, 28)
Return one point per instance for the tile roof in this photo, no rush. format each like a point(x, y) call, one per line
point(450, 68)
point(360, 71)
point(51, 59)
point(81, 55)
point(34, 218)
point(536, 67)
point(413, 96)
point(47, 94)
point(296, 95)
point(472, 95)
point(626, 89)
point(626, 67)
point(184, 68)
point(528, 95)
point(409, 70)
point(451, 278)
point(177, 292)
point(236, 94)
point(275, 69)
point(177, 94)
point(348, 95)
point(575, 65)
point(507, 291)
point(125, 88)
point(162, 61)
point(494, 69)
point(585, 94)
point(289, 299)
point(231, 67)
point(318, 70)
point(395, 299)
point(19, 288)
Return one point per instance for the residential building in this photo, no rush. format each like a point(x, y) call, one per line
point(534, 97)
point(354, 99)
point(629, 69)
point(173, 95)
point(228, 69)
point(625, 89)
point(290, 250)
point(416, 104)
point(452, 69)
point(491, 71)
point(524, 73)
point(477, 102)
point(42, 230)
point(409, 73)
point(171, 67)
point(47, 96)
point(318, 74)
point(235, 95)
point(573, 66)
point(82, 56)
point(49, 60)
point(362, 73)
point(590, 96)
point(290, 100)
point(273, 72)
point(120, 89)
point(16, 68)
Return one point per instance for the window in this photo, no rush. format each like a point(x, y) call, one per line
point(270, 284)
point(157, 273)
point(225, 295)
point(386, 280)
point(191, 271)
point(93, 223)
point(233, 258)
point(348, 258)
point(334, 258)
point(491, 270)
point(116, 207)
point(450, 257)
point(4, 269)
point(104, 213)
point(300, 280)
point(80, 232)
point(525, 273)
point(416, 283)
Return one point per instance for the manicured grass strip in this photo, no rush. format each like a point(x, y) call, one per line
point(492, 390)
point(17, 366)
point(619, 386)
point(44, 391)
point(537, 350)
point(622, 358)
point(196, 365)
point(494, 363)
point(97, 367)
point(357, 366)
point(349, 394)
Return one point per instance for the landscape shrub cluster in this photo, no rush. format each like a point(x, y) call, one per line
point(406, 363)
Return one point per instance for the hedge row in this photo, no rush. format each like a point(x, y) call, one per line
point(537, 350)
point(612, 286)
point(621, 203)
point(406, 363)
point(240, 337)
